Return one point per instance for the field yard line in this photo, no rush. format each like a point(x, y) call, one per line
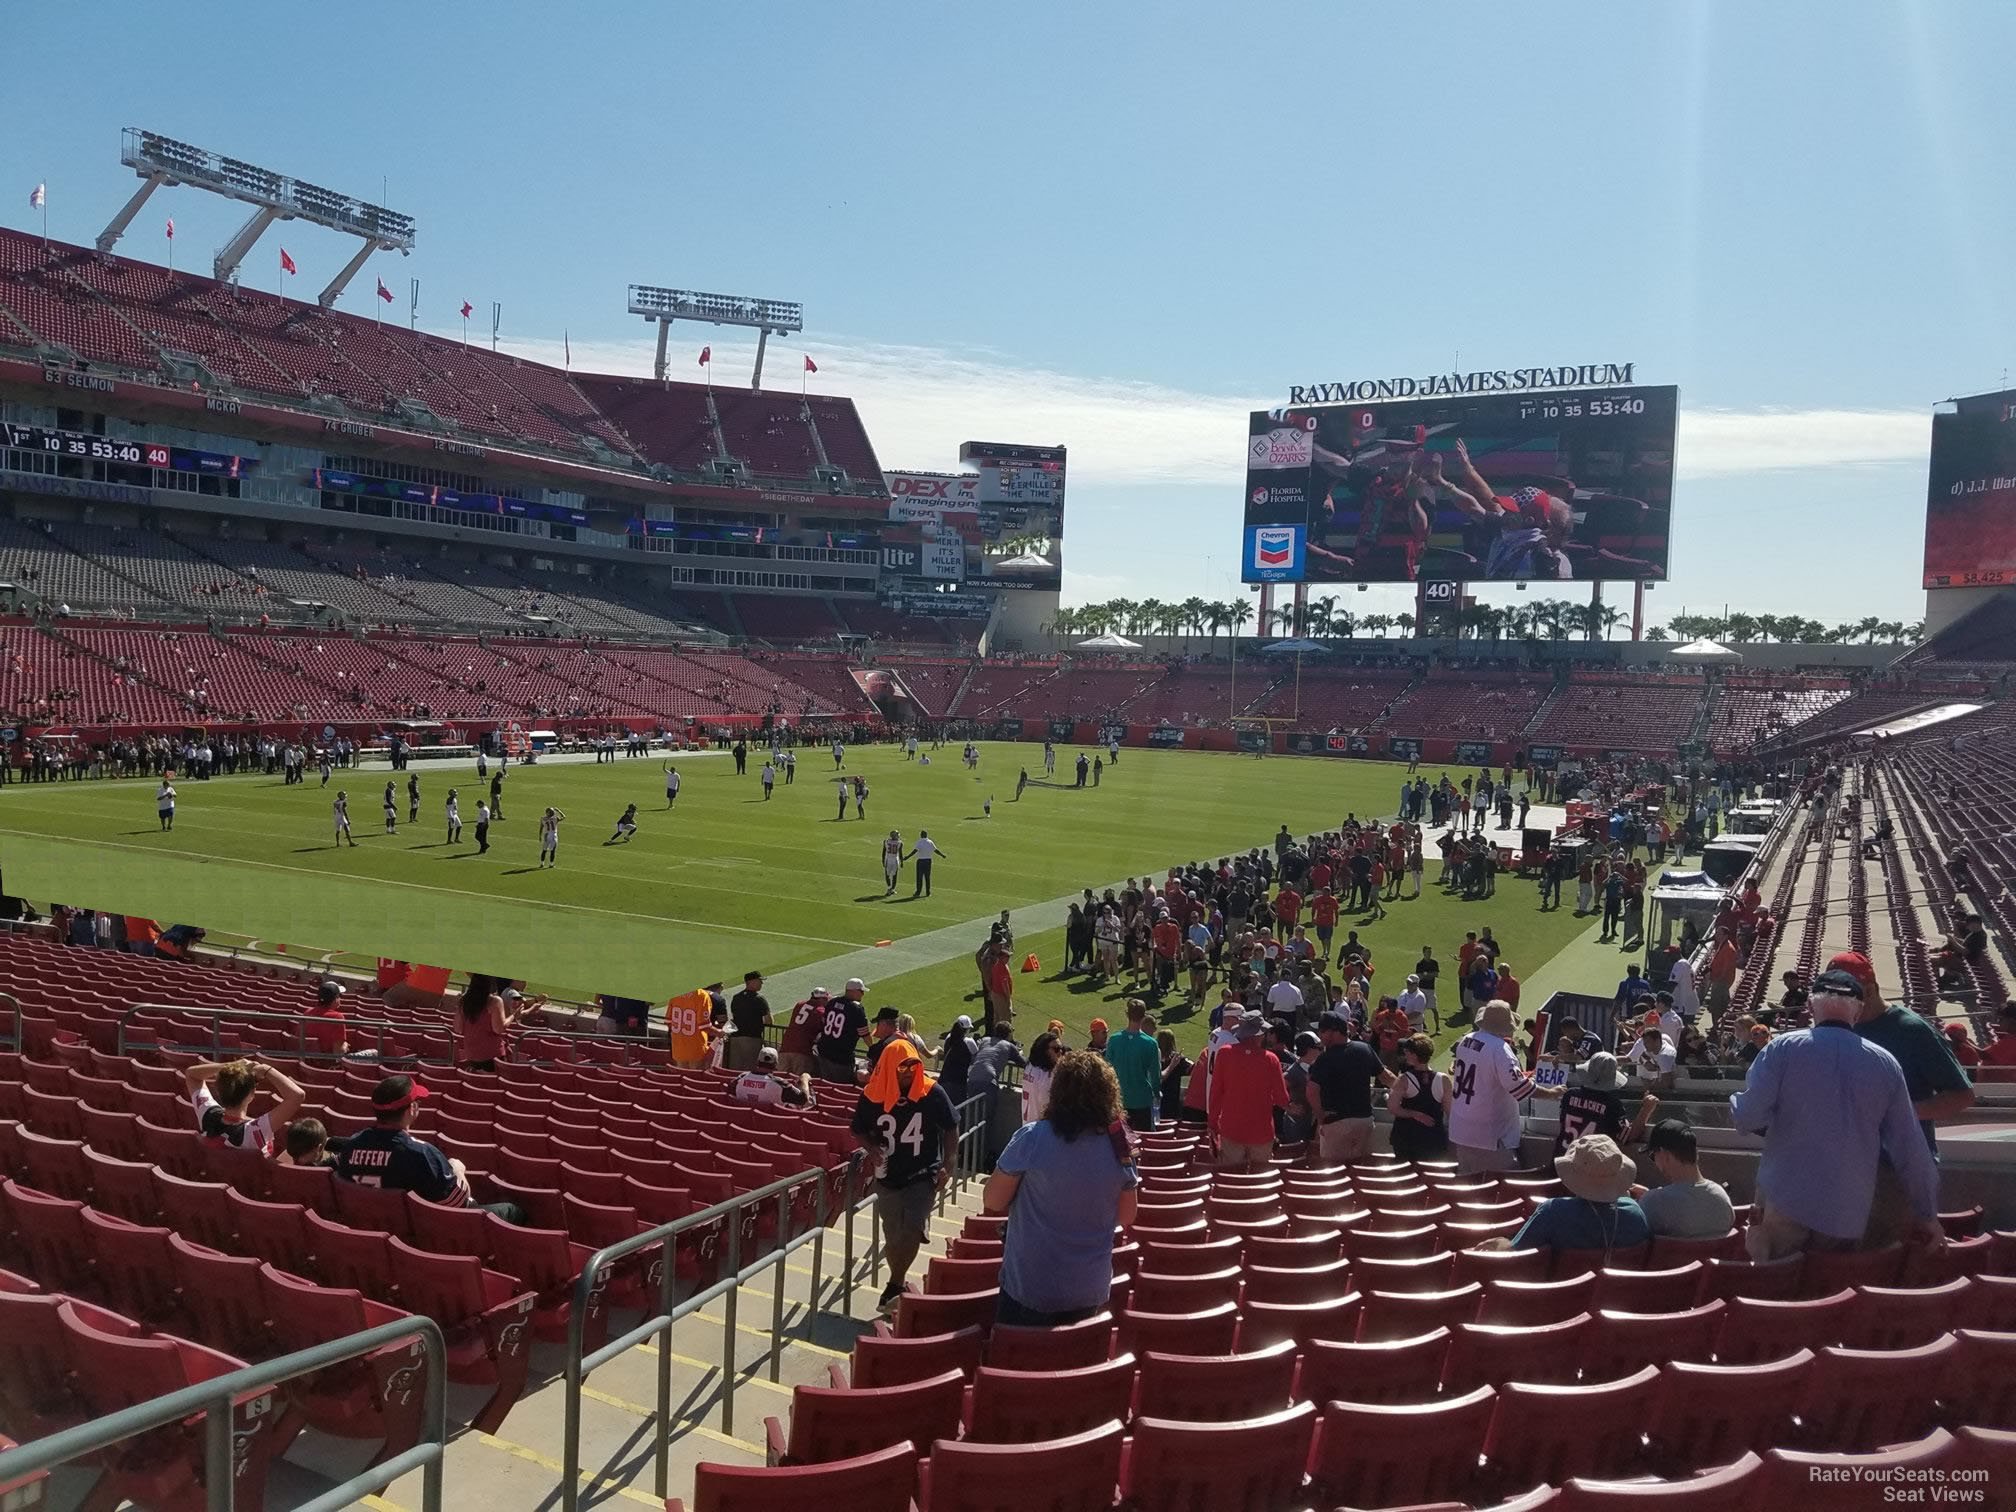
point(308, 871)
point(920, 950)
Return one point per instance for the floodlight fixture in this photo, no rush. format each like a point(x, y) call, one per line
point(764, 316)
point(160, 160)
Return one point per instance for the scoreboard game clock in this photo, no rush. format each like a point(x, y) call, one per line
point(88, 448)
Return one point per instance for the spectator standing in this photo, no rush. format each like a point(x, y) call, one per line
point(1343, 1075)
point(840, 1030)
point(798, 1048)
point(1414, 1003)
point(1426, 970)
point(1043, 1053)
point(1686, 1205)
point(1418, 1099)
point(1064, 1182)
point(955, 1059)
point(1246, 1086)
point(1594, 1106)
point(905, 1119)
point(748, 1017)
point(1485, 1126)
point(1137, 1066)
point(1830, 1105)
point(487, 1020)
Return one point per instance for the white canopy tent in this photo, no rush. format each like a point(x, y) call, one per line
point(1707, 651)
point(1109, 642)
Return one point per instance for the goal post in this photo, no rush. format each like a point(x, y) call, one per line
point(1255, 732)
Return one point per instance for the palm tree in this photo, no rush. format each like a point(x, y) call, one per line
point(1869, 628)
point(1609, 616)
point(1238, 615)
point(1657, 633)
point(1286, 619)
point(1343, 623)
point(1404, 623)
point(1377, 624)
point(1740, 627)
point(1215, 618)
point(1195, 612)
point(1915, 631)
point(1317, 618)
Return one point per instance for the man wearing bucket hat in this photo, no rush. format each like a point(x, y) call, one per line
point(1485, 1125)
point(1831, 1105)
point(1599, 1212)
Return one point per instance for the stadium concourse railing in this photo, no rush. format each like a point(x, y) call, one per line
point(969, 1156)
point(214, 1399)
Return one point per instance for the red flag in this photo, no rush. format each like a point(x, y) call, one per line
point(706, 355)
point(383, 292)
point(287, 263)
point(466, 308)
point(171, 228)
point(811, 366)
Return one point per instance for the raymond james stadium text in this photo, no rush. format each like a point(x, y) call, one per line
point(1490, 381)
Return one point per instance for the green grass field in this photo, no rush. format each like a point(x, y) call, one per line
point(725, 882)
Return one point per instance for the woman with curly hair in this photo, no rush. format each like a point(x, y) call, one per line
point(1065, 1181)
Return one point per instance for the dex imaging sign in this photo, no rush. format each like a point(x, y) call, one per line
point(1274, 553)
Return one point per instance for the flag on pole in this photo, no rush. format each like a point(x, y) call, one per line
point(171, 228)
point(383, 292)
point(38, 196)
point(706, 355)
point(811, 366)
point(467, 309)
point(287, 263)
point(566, 349)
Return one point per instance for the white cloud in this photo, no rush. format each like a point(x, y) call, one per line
point(920, 402)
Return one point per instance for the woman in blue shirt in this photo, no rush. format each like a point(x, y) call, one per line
point(1065, 1182)
point(1599, 1213)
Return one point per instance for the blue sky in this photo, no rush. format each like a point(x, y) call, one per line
point(1120, 226)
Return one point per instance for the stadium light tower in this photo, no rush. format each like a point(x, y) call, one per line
point(764, 315)
point(163, 160)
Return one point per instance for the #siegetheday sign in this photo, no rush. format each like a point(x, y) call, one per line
point(1483, 381)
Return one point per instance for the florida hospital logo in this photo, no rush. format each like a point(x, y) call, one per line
point(1274, 546)
point(1259, 496)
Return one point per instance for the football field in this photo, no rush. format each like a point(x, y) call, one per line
point(724, 882)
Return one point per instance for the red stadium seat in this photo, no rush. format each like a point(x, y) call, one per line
point(918, 1314)
point(1310, 1283)
point(1982, 1390)
point(1388, 1371)
point(1383, 1455)
point(1545, 1434)
point(1198, 1388)
point(36, 1391)
point(828, 1425)
point(1067, 1347)
point(163, 1468)
point(1621, 1342)
point(883, 1360)
point(1241, 1465)
point(1263, 1323)
point(1901, 1317)
point(1078, 1474)
point(1829, 1271)
point(1490, 1354)
point(1710, 1414)
point(51, 1233)
point(199, 1211)
point(1756, 1329)
point(943, 1276)
point(484, 1315)
point(1209, 1330)
point(1403, 1315)
point(1671, 1289)
point(1854, 1482)
point(1024, 1406)
point(274, 1231)
point(378, 1396)
point(221, 1295)
point(1858, 1399)
point(135, 1268)
point(123, 1188)
point(880, 1481)
point(1177, 1293)
point(1718, 1490)
point(1772, 1279)
point(1534, 1302)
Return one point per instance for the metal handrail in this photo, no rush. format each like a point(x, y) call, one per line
point(215, 1398)
point(968, 1161)
point(301, 1049)
point(12, 1041)
point(581, 1362)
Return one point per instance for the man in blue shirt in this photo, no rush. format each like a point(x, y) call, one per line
point(1830, 1104)
point(1599, 1212)
point(386, 1155)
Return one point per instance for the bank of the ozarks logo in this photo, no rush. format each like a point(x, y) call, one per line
point(1274, 547)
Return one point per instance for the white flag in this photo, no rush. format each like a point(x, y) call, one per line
point(38, 196)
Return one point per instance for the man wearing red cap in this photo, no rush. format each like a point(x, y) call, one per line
point(386, 1155)
point(1939, 1085)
